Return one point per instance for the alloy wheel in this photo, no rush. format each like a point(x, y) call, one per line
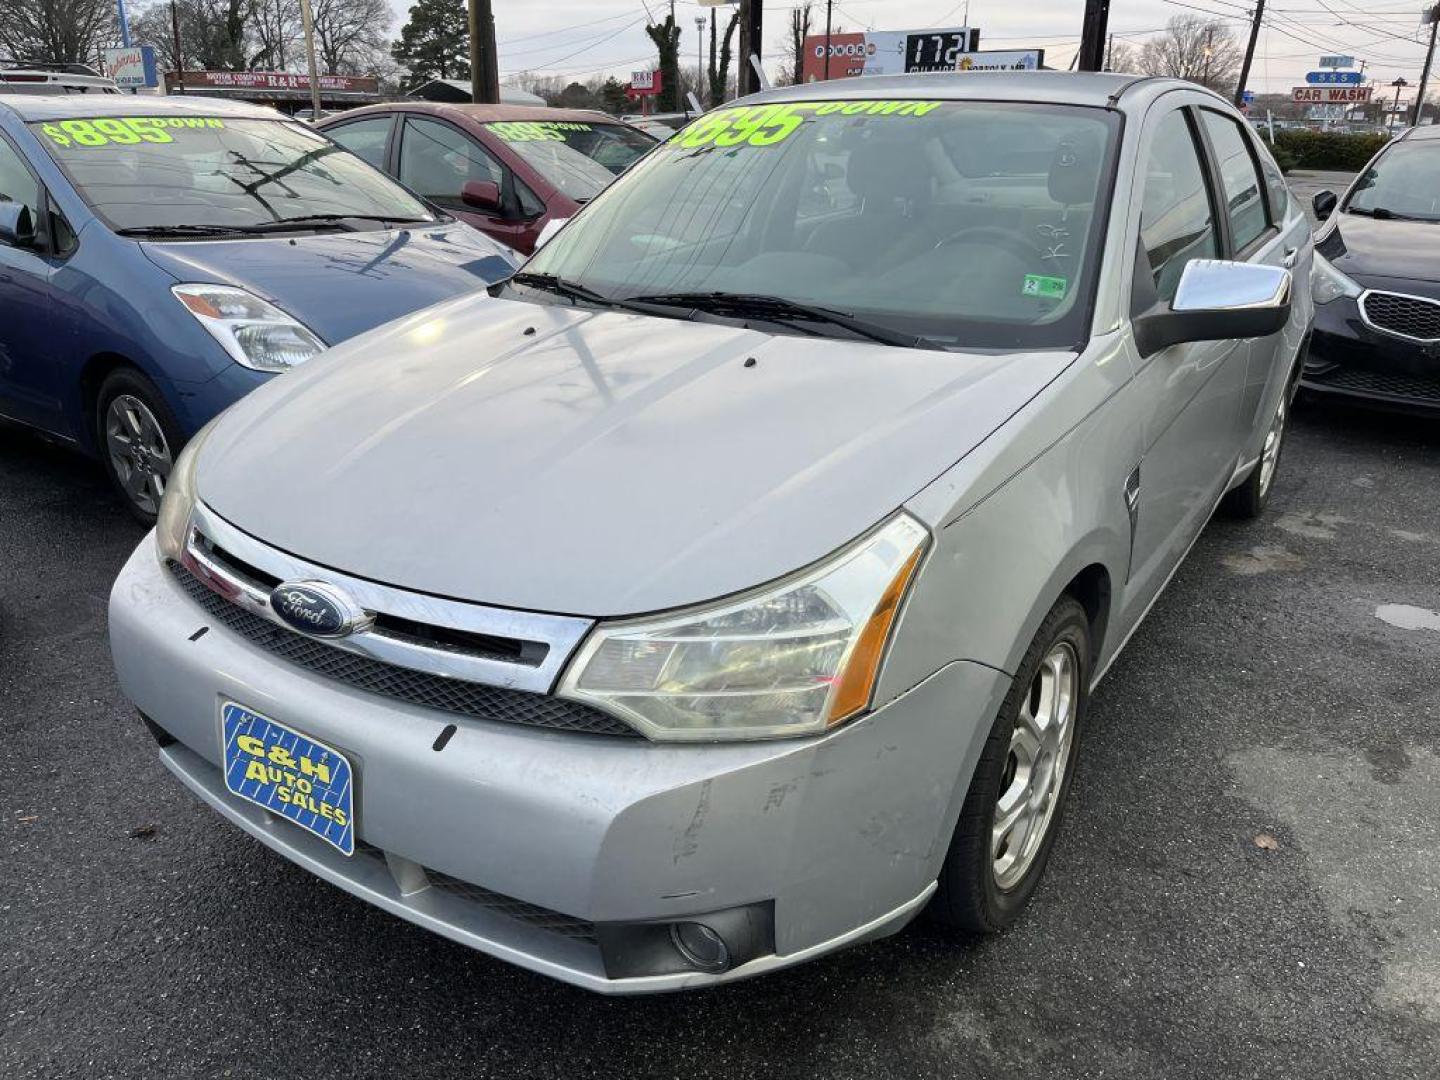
point(1035, 770)
point(1270, 455)
point(139, 452)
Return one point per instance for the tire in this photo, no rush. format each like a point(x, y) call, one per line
point(985, 884)
point(138, 439)
point(1249, 500)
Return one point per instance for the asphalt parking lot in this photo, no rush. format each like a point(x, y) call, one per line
point(1248, 883)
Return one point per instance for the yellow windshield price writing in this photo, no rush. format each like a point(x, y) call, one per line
point(123, 130)
point(767, 125)
point(536, 130)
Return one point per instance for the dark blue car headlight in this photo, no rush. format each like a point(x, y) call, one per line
point(253, 331)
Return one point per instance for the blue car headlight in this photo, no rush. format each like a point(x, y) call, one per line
point(253, 331)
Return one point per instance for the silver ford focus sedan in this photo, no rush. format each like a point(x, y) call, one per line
point(731, 585)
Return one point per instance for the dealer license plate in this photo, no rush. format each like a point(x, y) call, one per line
point(289, 774)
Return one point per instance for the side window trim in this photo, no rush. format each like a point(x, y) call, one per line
point(509, 199)
point(1217, 188)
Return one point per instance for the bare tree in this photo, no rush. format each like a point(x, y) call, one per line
point(792, 67)
point(351, 34)
point(1122, 56)
point(276, 28)
point(719, 74)
point(1201, 50)
point(56, 31)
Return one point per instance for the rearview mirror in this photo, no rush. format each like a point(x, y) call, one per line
point(17, 227)
point(1324, 204)
point(481, 195)
point(1217, 301)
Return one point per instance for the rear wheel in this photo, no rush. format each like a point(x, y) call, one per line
point(1012, 811)
point(138, 439)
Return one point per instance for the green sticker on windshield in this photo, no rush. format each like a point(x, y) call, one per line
point(536, 130)
point(123, 130)
point(767, 125)
point(1051, 288)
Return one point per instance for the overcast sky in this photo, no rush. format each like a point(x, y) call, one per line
point(580, 38)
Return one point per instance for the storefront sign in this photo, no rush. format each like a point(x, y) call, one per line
point(132, 68)
point(280, 80)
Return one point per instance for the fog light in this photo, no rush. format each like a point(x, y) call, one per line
point(702, 948)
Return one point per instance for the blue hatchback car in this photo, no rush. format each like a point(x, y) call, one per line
point(161, 257)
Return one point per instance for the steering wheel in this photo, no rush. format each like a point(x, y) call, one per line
point(994, 235)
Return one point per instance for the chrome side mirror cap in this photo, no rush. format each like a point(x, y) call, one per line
point(1217, 301)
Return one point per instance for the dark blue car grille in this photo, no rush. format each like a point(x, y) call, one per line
point(403, 684)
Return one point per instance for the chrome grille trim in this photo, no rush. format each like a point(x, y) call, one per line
point(1416, 302)
point(561, 634)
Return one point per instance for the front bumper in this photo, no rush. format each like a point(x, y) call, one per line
point(1351, 360)
point(841, 837)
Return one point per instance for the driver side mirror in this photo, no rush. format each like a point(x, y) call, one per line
point(1324, 204)
point(17, 226)
point(1218, 301)
point(481, 195)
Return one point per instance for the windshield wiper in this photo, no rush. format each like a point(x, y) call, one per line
point(337, 220)
point(572, 290)
point(1384, 213)
point(781, 309)
point(182, 230)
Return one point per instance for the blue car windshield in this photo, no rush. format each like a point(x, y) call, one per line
point(968, 224)
point(156, 172)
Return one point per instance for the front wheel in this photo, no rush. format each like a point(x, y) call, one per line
point(138, 440)
point(1012, 811)
point(1253, 495)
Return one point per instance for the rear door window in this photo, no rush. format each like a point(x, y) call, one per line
point(437, 161)
point(1240, 179)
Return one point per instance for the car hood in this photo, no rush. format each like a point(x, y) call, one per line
point(340, 284)
point(1370, 247)
point(562, 460)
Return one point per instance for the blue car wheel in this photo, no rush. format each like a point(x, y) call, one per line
point(138, 440)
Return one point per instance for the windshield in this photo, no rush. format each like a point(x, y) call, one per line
point(970, 224)
point(579, 158)
point(166, 171)
point(1401, 182)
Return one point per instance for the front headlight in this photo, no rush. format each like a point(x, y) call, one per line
point(1327, 283)
point(796, 659)
point(253, 331)
point(179, 498)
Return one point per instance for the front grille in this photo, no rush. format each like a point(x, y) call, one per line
point(531, 914)
point(404, 684)
point(1424, 388)
point(1410, 316)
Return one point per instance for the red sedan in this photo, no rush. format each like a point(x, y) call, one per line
point(506, 169)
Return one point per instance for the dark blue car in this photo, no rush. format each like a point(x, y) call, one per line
point(161, 257)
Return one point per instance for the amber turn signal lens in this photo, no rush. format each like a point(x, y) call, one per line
point(852, 693)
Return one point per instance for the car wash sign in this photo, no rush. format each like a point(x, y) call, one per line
point(886, 52)
point(1332, 95)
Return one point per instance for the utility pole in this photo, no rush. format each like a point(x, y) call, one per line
point(1109, 51)
point(752, 42)
point(179, 56)
point(484, 65)
point(308, 19)
point(1433, 18)
point(829, 26)
point(1399, 85)
point(1249, 52)
point(1091, 56)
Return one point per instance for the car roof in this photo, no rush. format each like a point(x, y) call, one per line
point(1049, 87)
point(1429, 131)
point(484, 114)
point(79, 106)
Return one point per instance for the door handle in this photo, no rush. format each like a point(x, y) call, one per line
point(1291, 254)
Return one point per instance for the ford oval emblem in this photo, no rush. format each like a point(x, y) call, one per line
point(317, 608)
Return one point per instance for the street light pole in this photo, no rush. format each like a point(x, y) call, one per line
point(700, 59)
